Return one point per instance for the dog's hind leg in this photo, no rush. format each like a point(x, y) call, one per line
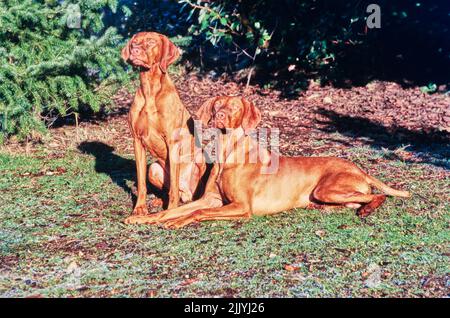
point(349, 190)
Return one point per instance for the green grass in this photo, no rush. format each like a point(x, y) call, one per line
point(61, 235)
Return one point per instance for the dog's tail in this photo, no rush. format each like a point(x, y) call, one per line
point(387, 189)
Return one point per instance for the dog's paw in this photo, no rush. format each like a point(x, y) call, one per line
point(140, 210)
point(156, 202)
point(143, 219)
point(178, 223)
point(171, 225)
point(140, 219)
point(364, 211)
point(133, 219)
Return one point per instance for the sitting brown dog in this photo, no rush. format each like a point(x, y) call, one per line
point(241, 189)
point(156, 117)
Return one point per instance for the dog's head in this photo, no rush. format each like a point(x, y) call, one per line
point(148, 48)
point(229, 112)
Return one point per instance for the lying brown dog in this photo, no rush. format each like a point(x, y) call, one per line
point(155, 118)
point(240, 189)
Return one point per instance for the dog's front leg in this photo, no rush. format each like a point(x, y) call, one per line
point(141, 169)
point(233, 211)
point(174, 172)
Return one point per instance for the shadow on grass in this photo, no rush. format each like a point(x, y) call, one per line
point(431, 146)
point(119, 169)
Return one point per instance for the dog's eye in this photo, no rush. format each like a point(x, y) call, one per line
point(150, 42)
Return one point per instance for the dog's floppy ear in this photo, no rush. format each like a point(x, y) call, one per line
point(169, 53)
point(251, 116)
point(126, 50)
point(204, 113)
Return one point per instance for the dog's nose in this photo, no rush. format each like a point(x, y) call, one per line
point(135, 51)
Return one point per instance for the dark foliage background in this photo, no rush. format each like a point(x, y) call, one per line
point(289, 41)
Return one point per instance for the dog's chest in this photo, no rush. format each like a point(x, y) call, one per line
point(228, 182)
point(143, 123)
point(145, 127)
